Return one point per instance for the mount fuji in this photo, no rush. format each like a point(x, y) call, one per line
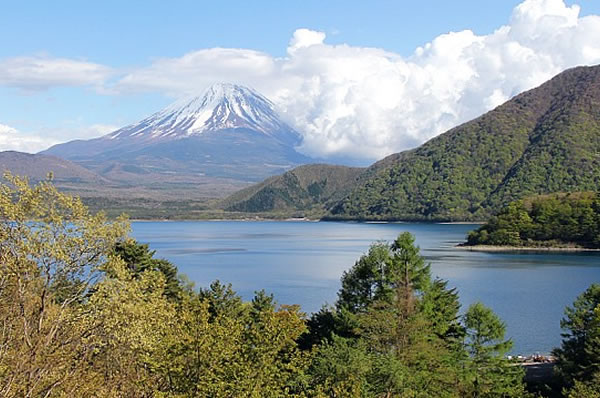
point(229, 132)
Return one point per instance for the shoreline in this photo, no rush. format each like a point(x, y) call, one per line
point(554, 249)
point(307, 219)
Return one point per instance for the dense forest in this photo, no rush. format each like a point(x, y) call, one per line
point(87, 311)
point(558, 220)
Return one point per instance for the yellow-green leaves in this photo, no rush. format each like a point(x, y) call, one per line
point(51, 252)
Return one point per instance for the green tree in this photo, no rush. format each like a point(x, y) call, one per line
point(489, 373)
point(139, 258)
point(341, 368)
point(392, 313)
point(378, 274)
point(131, 319)
point(250, 352)
point(588, 389)
point(578, 358)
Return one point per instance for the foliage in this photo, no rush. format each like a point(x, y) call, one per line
point(85, 311)
point(138, 259)
point(396, 332)
point(52, 251)
point(561, 219)
point(589, 389)
point(578, 358)
point(491, 374)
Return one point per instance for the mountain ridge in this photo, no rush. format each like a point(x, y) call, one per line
point(306, 189)
point(230, 132)
point(36, 167)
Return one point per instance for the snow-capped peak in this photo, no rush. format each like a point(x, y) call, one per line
point(222, 106)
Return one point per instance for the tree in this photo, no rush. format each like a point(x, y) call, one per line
point(139, 258)
point(378, 274)
point(251, 352)
point(365, 281)
point(588, 389)
point(578, 358)
point(491, 374)
point(441, 306)
point(397, 321)
point(52, 251)
point(132, 321)
point(341, 368)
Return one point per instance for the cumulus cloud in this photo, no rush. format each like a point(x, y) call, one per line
point(12, 139)
point(366, 103)
point(34, 73)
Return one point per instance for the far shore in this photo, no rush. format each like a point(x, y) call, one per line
point(490, 248)
point(307, 219)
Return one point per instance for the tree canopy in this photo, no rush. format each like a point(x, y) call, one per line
point(551, 220)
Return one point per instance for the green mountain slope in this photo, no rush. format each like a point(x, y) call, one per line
point(305, 188)
point(544, 140)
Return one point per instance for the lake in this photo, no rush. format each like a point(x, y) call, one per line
point(302, 262)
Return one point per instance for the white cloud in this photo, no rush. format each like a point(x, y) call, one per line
point(16, 140)
point(12, 139)
point(34, 73)
point(187, 74)
point(305, 38)
point(366, 102)
point(96, 130)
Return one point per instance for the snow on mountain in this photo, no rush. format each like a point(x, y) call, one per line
point(228, 132)
point(222, 106)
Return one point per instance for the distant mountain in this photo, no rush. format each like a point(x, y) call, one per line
point(37, 167)
point(305, 188)
point(229, 132)
point(544, 140)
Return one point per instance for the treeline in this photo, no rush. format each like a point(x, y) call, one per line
point(86, 311)
point(571, 219)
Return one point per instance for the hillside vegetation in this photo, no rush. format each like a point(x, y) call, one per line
point(542, 141)
point(305, 190)
point(542, 221)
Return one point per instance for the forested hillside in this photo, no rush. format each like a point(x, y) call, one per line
point(306, 189)
point(542, 141)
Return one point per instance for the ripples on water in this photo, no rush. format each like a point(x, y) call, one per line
point(302, 262)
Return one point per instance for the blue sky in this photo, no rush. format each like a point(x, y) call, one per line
point(120, 53)
point(126, 33)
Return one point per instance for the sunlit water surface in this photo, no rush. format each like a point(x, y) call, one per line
point(302, 262)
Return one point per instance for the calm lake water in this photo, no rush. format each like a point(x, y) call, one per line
point(302, 262)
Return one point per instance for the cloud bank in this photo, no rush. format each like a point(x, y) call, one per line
point(357, 102)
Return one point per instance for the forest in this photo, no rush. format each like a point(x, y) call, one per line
point(87, 311)
point(557, 220)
